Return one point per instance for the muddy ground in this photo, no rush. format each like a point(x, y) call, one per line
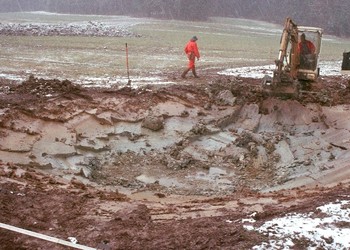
point(175, 166)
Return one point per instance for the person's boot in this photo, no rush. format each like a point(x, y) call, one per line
point(185, 73)
point(194, 73)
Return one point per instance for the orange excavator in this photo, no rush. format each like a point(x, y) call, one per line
point(297, 61)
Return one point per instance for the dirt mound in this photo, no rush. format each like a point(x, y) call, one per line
point(46, 88)
point(36, 90)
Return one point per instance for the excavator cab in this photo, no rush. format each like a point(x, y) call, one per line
point(297, 59)
point(308, 69)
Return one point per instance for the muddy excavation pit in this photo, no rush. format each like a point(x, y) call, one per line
point(166, 166)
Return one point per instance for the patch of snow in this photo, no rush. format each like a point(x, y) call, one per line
point(327, 68)
point(48, 13)
point(73, 240)
point(12, 77)
point(106, 81)
point(111, 81)
point(259, 30)
point(249, 72)
point(324, 231)
point(330, 68)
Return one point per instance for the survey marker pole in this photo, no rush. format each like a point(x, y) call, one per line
point(127, 62)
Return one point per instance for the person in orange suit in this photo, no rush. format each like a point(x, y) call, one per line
point(305, 47)
point(192, 52)
point(306, 51)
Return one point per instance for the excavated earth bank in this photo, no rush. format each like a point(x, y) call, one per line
point(166, 166)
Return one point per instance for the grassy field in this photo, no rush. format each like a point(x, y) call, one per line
point(223, 42)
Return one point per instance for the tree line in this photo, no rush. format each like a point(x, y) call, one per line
point(332, 15)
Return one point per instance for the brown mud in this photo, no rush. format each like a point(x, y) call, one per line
point(166, 166)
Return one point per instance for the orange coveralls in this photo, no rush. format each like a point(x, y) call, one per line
point(306, 48)
point(191, 50)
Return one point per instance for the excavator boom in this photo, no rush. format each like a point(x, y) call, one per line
point(286, 70)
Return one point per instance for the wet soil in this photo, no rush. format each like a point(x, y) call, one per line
point(174, 166)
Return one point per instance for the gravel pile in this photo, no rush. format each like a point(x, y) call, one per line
point(85, 29)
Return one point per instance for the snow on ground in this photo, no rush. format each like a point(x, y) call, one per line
point(327, 68)
point(11, 77)
point(329, 231)
point(330, 68)
point(112, 81)
point(250, 72)
point(88, 81)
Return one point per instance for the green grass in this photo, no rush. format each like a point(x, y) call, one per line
point(223, 42)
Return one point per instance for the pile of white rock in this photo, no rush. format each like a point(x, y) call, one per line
point(66, 29)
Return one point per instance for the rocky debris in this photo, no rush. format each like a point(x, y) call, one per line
point(114, 137)
point(84, 29)
point(226, 97)
point(153, 123)
point(40, 86)
point(101, 164)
